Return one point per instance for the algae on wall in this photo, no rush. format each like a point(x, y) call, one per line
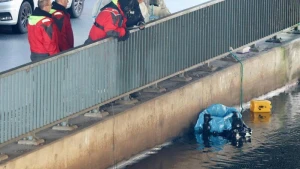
point(292, 57)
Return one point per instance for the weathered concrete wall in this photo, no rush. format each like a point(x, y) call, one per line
point(164, 117)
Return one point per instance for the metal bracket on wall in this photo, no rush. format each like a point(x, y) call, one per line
point(31, 140)
point(96, 113)
point(274, 39)
point(181, 78)
point(254, 48)
point(208, 68)
point(64, 126)
point(228, 58)
point(3, 157)
point(127, 100)
point(154, 89)
point(295, 30)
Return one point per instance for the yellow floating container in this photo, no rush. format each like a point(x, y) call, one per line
point(260, 106)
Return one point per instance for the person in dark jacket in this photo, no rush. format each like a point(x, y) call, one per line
point(62, 20)
point(111, 22)
point(134, 15)
point(42, 32)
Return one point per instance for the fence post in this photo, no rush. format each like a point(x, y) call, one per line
point(65, 126)
point(31, 140)
point(127, 100)
point(155, 89)
point(96, 113)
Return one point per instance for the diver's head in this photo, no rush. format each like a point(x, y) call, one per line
point(127, 5)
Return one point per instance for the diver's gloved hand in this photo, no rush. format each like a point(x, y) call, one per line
point(126, 36)
point(141, 25)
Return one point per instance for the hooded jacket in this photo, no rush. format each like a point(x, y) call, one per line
point(134, 15)
point(110, 22)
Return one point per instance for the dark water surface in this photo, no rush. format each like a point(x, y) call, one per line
point(275, 143)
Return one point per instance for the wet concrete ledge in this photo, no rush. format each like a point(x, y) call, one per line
point(157, 118)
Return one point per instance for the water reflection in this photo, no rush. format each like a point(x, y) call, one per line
point(274, 143)
point(216, 143)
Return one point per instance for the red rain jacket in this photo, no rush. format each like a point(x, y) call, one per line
point(62, 20)
point(110, 22)
point(42, 33)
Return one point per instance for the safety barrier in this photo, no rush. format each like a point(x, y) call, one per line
point(38, 94)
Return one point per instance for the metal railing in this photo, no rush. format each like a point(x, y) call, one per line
point(38, 94)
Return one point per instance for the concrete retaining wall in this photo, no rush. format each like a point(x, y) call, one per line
point(155, 121)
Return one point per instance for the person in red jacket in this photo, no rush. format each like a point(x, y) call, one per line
point(62, 20)
point(111, 21)
point(42, 32)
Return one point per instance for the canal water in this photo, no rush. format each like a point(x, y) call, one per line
point(275, 143)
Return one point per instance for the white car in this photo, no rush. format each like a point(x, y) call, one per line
point(16, 12)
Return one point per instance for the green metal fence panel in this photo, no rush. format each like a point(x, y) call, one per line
point(39, 94)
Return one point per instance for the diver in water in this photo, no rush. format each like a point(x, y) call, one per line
point(238, 134)
point(239, 128)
